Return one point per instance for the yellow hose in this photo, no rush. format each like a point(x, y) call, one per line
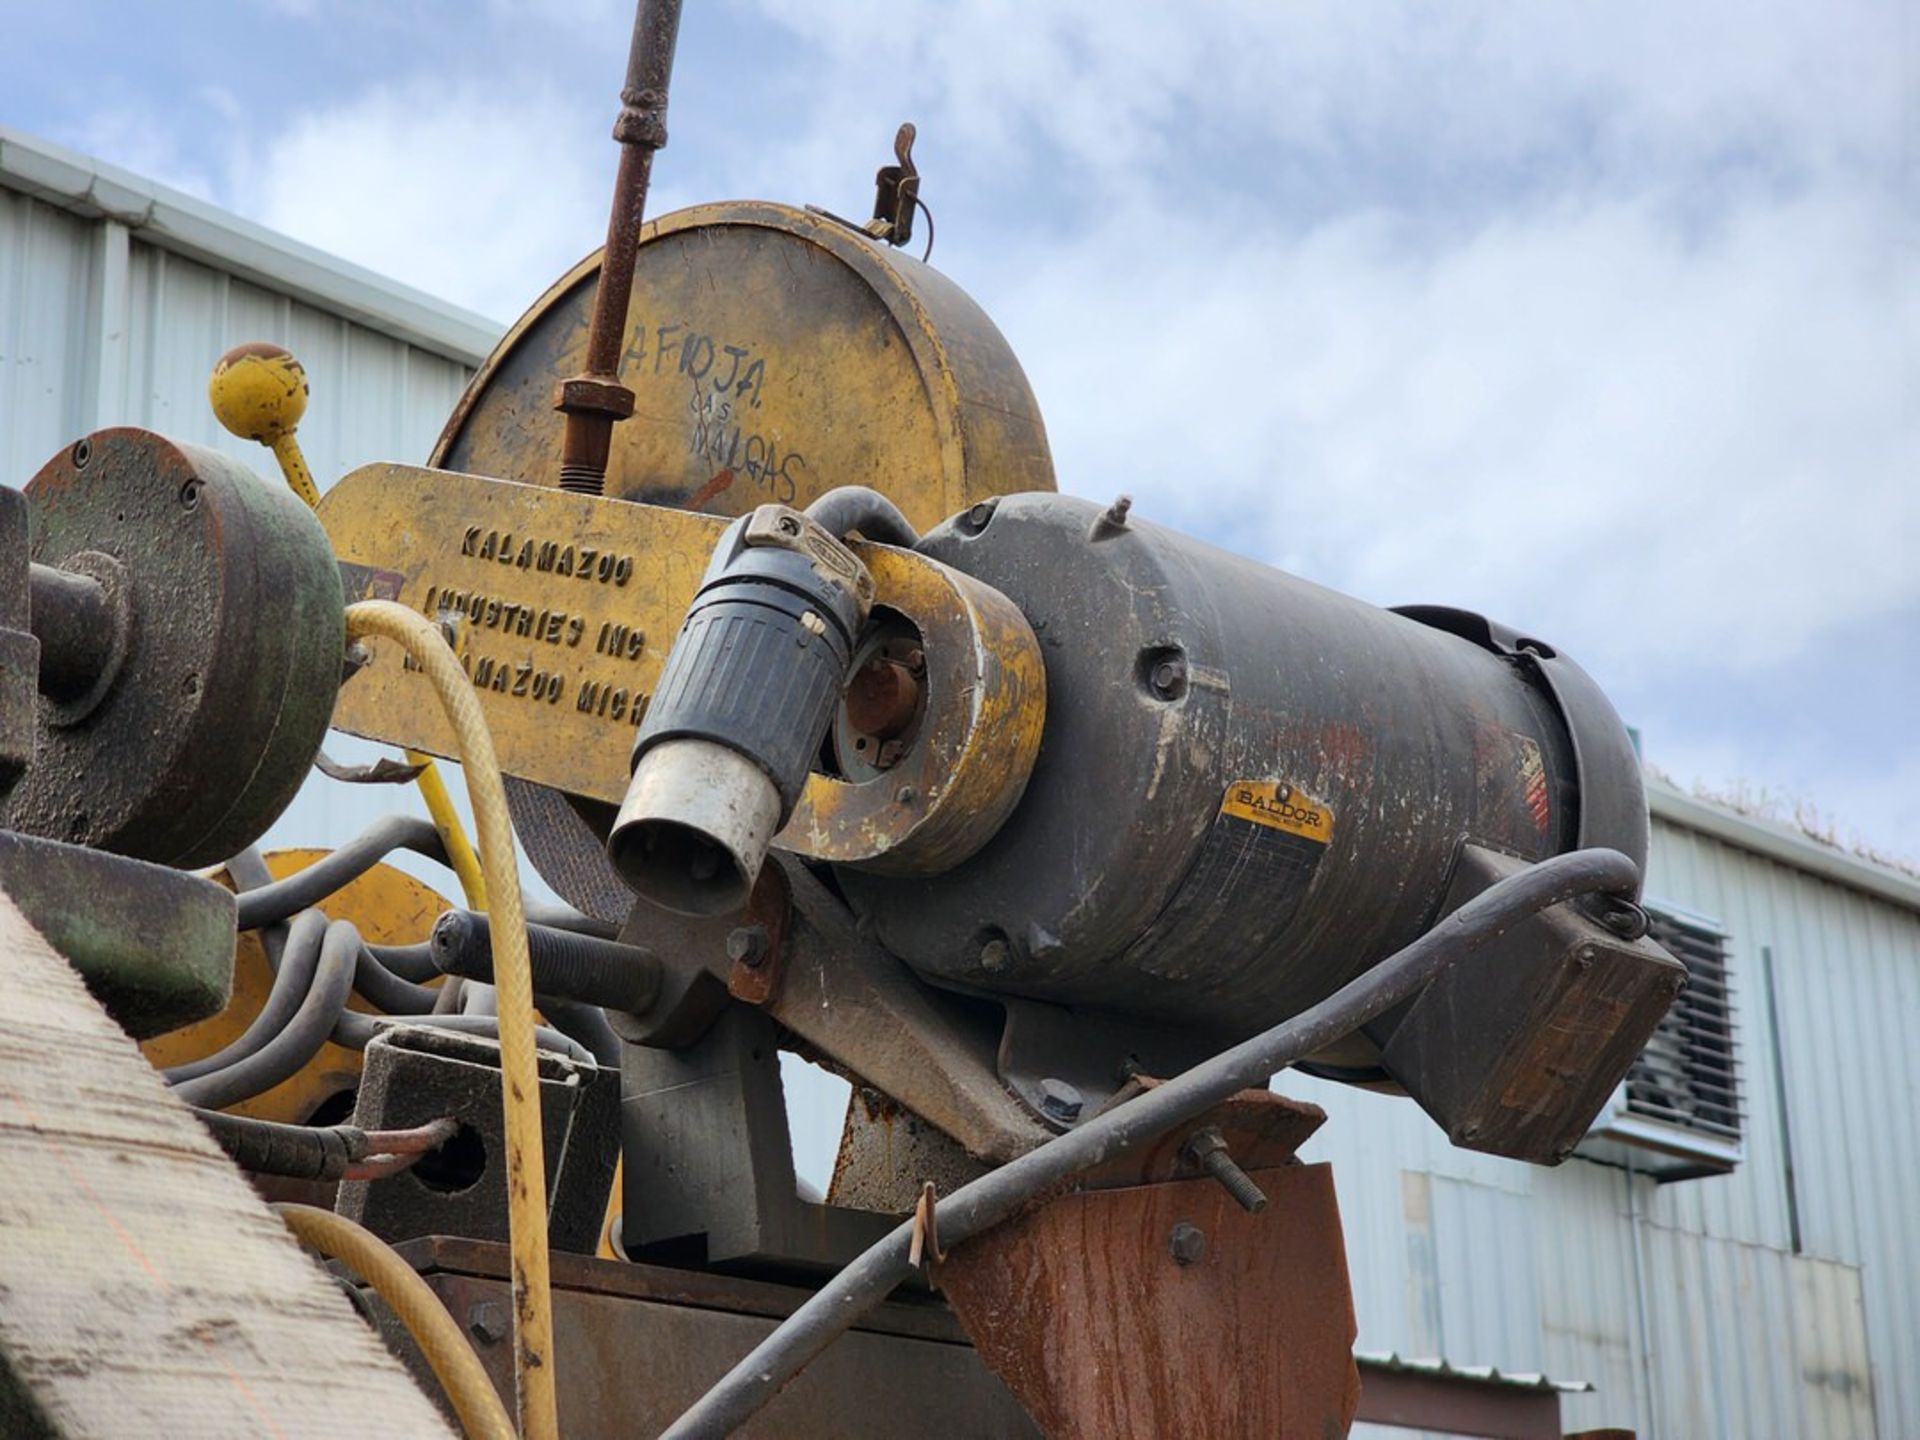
point(454, 1364)
point(446, 820)
point(513, 982)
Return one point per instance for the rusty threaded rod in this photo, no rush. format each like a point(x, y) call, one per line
point(595, 400)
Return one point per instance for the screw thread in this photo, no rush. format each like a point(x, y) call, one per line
point(1249, 1196)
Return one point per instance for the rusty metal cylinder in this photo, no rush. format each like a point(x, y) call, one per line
point(1250, 788)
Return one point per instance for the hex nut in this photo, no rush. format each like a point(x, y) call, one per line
point(487, 1320)
point(748, 946)
point(1060, 1100)
point(1187, 1244)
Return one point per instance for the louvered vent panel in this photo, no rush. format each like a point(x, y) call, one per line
point(1688, 1074)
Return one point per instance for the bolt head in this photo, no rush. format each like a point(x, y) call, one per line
point(487, 1321)
point(995, 955)
point(1060, 1100)
point(1187, 1244)
point(1168, 677)
point(977, 518)
point(748, 945)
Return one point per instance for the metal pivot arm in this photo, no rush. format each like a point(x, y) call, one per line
point(995, 1197)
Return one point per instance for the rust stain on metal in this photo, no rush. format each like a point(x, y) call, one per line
point(722, 478)
point(756, 980)
point(1101, 1329)
point(1261, 1129)
point(882, 699)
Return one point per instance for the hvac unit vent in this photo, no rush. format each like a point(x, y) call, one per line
point(1677, 1116)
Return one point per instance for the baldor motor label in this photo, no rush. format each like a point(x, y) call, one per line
point(1279, 805)
point(1259, 856)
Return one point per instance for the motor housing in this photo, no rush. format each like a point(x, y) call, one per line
point(1250, 788)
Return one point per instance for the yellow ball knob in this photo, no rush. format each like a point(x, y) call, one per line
point(259, 392)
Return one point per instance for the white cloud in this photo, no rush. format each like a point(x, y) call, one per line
point(1409, 86)
point(131, 136)
point(465, 189)
point(1580, 416)
point(1597, 318)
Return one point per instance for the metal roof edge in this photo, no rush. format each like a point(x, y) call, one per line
point(1444, 1369)
point(1777, 842)
point(200, 231)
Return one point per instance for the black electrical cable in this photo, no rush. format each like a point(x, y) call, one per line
point(291, 982)
point(452, 997)
point(415, 962)
point(563, 965)
point(299, 1152)
point(985, 1202)
point(352, 860)
point(322, 1152)
point(855, 507)
point(296, 1042)
point(410, 962)
point(248, 871)
point(565, 917)
point(374, 981)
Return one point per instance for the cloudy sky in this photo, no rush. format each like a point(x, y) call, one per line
point(1600, 318)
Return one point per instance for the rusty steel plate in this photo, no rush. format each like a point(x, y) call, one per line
point(562, 608)
point(636, 1344)
point(773, 355)
point(1168, 1310)
point(1261, 1128)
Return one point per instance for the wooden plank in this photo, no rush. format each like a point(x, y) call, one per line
point(147, 1289)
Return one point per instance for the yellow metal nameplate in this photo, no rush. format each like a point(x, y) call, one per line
point(562, 608)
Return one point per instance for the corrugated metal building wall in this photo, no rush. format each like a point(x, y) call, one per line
point(1726, 1308)
point(116, 297)
point(1721, 1307)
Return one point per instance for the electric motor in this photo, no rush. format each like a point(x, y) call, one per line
point(1250, 788)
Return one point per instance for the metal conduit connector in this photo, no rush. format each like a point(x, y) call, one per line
point(565, 966)
point(743, 704)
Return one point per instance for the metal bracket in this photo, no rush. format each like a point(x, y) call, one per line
point(896, 190)
point(845, 998)
point(709, 1160)
point(1064, 1065)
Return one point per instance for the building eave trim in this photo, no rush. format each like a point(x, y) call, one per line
point(1777, 842)
point(199, 231)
